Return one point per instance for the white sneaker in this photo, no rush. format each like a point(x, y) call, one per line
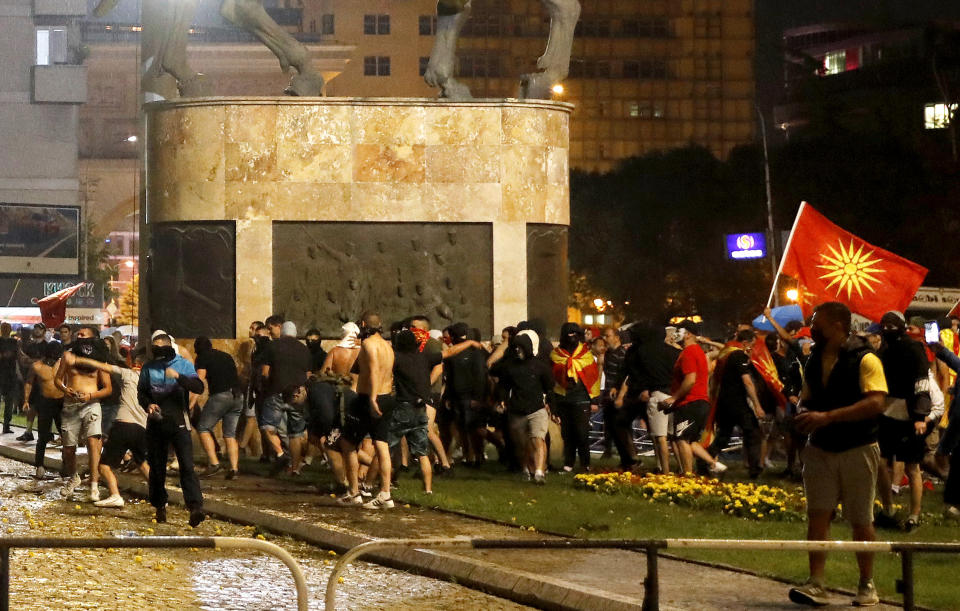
point(380, 501)
point(94, 493)
point(114, 500)
point(350, 500)
point(718, 467)
point(70, 485)
point(40, 472)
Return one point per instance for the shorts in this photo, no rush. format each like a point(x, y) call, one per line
point(282, 419)
point(124, 436)
point(359, 421)
point(658, 423)
point(221, 406)
point(899, 441)
point(471, 415)
point(768, 427)
point(326, 408)
point(848, 477)
point(689, 421)
point(530, 426)
point(410, 421)
point(80, 421)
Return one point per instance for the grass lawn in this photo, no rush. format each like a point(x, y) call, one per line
point(559, 507)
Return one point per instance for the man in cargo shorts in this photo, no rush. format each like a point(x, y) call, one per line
point(843, 395)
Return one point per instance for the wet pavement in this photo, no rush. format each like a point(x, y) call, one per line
point(617, 574)
point(183, 579)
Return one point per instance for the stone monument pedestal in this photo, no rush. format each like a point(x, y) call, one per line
point(320, 208)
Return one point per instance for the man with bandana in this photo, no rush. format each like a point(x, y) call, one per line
point(164, 393)
point(81, 417)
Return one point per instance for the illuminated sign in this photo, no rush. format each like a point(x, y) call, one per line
point(746, 246)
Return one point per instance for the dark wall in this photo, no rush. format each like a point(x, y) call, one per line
point(192, 279)
point(547, 275)
point(327, 273)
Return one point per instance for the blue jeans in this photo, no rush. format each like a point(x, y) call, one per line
point(281, 418)
point(221, 406)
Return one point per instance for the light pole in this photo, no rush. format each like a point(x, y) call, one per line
point(771, 238)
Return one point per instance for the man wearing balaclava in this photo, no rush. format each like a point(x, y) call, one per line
point(576, 379)
point(526, 380)
point(903, 425)
point(164, 393)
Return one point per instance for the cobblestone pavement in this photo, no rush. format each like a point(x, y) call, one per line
point(182, 579)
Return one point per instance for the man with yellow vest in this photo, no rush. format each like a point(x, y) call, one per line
point(576, 384)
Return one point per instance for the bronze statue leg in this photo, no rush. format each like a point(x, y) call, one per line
point(249, 15)
point(451, 15)
point(555, 61)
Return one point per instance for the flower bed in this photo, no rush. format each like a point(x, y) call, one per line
point(746, 500)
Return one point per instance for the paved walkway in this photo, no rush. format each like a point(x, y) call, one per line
point(558, 579)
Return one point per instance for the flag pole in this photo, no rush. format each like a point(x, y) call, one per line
point(786, 249)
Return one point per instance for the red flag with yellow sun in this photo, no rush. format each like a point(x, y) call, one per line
point(831, 264)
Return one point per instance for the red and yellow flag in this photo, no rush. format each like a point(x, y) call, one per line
point(568, 368)
point(831, 264)
point(53, 307)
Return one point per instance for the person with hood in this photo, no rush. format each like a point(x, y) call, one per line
point(466, 386)
point(318, 356)
point(903, 425)
point(576, 384)
point(163, 391)
point(526, 381)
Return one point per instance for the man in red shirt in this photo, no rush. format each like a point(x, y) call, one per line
point(689, 401)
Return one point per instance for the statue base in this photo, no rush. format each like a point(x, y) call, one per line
point(320, 208)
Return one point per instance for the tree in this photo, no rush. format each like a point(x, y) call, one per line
point(95, 256)
point(129, 313)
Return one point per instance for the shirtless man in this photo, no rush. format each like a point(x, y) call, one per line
point(369, 413)
point(81, 416)
point(49, 400)
point(341, 358)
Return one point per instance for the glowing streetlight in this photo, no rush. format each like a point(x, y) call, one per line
point(131, 138)
point(129, 263)
point(598, 303)
point(557, 89)
point(793, 294)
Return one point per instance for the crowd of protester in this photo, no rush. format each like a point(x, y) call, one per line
point(382, 399)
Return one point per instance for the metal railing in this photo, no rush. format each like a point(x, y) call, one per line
point(651, 599)
point(8, 543)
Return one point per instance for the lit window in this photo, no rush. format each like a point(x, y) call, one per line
point(937, 116)
point(835, 62)
point(51, 46)
point(588, 319)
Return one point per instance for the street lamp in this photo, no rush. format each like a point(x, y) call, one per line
point(598, 303)
point(557, 89)
point(793, 295)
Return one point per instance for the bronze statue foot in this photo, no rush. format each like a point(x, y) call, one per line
point(454, 90)
point(305, 85)
point(159, 86)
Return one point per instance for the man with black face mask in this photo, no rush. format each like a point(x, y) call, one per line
point(577, 382)
point(163, 392)
point(81, 417)
point(317, 354)
point(526, 381)
point(903, 426)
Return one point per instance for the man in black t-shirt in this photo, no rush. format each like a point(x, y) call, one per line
point(411, 379)
point(218, 370)
point(526, 381)
point(466, 376)
point(285, 365)
point(737, 403)
point(318, 355)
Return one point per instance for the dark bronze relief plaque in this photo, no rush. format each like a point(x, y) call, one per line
point(327, 273)
point(547, 275)
point(192, 287)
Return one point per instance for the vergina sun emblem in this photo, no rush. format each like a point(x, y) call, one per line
point(851, 269)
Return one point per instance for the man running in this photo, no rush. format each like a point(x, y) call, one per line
point(128, 432)
point(48, 402)
point(219, 371)
point(81, 416)
point(369, 413)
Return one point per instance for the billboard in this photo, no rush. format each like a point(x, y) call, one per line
point(39, 239)
point(746, 246)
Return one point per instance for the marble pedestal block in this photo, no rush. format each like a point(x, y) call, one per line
point(320, 208)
